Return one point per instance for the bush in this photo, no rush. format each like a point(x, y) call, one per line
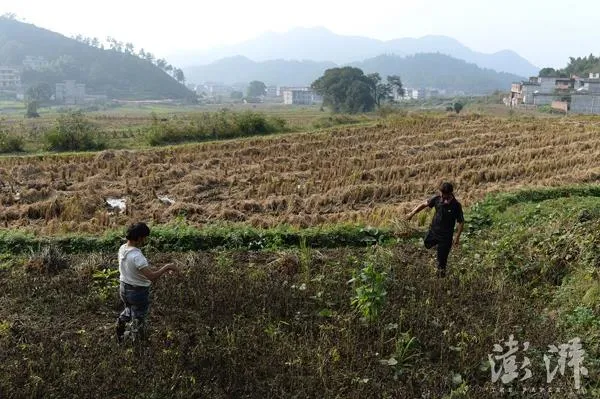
point(73, 132)
point(458, 107)
point(213, 126)
point(10, 142)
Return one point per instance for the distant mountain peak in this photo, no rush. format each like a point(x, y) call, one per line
point(321, 44)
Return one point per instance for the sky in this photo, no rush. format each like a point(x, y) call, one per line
point(545, 32)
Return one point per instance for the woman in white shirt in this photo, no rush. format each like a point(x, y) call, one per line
point(136, 277)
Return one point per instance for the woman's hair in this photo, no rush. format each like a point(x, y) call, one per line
point(447, 188)
point(137, 231)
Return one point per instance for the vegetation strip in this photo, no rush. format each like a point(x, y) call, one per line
point(481, 213)
point(181, 239)
point(177, 238)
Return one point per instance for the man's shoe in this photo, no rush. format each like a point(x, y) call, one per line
point(441, 273)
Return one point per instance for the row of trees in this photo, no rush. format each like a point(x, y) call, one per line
point(349, 90)
point(577, 66)
point(129, 48)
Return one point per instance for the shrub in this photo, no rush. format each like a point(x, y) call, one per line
point(213, 126)
point(9, 141)
point(458, 107)
point(73, 132)
point(48, 260)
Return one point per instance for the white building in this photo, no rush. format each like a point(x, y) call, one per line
point(301, 96)
point(35, 63)
point(10, 78)
point(70, 92)
point(272, 91)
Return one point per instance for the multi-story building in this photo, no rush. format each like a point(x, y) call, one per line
point(70, 92)
point(35, 63)
point(272, 91)
point(300, 96)
point(10, 78)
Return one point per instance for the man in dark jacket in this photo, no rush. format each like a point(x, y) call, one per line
point(448, 212)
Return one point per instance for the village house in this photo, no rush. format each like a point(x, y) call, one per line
point(10, 78)
point(300, 96)
point(70, 92)
point(574, 94)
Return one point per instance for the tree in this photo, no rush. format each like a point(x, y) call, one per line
point(346, 89)
point(178, 75)
point(380, 91)
point(548, 72)
point(256, 89)
point(161, 63)
point(32, 107)
point(129, 48)
point(458, 107)
point(149, 57)
point(237, 95)
point(396, 83)
point(40, 93)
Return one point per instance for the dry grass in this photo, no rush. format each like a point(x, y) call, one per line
point(350, 174)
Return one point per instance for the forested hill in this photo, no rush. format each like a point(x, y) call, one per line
point(117, 74)
point(439, 71)
point(420, 70)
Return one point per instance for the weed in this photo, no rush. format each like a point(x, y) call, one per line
point(49, 260)
point(369, 291)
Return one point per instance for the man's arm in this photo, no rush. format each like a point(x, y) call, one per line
point(458, 233)
point(417, 209)
point(153, 274)
point(461, 224)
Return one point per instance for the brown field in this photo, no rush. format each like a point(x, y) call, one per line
point(360, 174)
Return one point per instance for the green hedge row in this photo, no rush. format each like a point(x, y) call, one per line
point(175, 239)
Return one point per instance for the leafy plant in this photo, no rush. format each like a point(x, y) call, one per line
point(369, 291)
point(105, 282)
point(405, 354)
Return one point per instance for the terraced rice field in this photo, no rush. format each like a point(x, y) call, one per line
point(367, 174)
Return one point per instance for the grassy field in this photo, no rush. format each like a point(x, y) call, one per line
point(293, 327)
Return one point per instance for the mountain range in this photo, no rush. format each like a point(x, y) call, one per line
point(322, 45)
point(419, 70)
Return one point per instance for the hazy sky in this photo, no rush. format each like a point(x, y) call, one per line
point(546, 32)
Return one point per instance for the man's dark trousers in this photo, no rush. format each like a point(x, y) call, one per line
point(444, 244)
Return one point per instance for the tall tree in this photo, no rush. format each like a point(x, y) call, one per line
point(129, 48)
point(178, 75)
point(161, 63)
point(40, 93)
point(346, 89)
point(256, 88)
point(396, 83)
point(380, 91)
